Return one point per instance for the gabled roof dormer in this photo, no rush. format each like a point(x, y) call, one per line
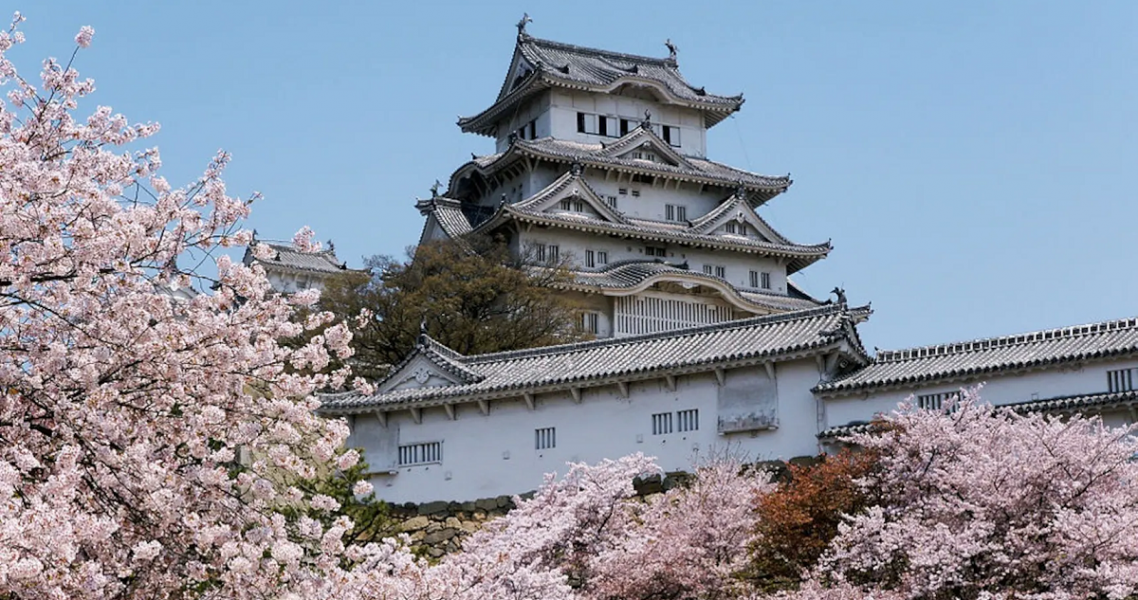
point(641, 142)
point(736, 209)
point(430, 364)
point(571, 186)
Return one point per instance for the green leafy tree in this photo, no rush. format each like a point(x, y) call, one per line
point(473, 297)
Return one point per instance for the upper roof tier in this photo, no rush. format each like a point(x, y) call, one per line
point(617, 156)
point(538, 65)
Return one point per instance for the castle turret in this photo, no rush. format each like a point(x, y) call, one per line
point(601, 166)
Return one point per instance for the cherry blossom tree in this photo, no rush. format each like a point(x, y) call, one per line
point(125, 402)
point(981, 502)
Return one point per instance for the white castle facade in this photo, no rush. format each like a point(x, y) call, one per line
point(703, 340)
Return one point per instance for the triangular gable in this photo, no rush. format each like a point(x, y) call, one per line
point(570, 186)
point(641, 139)
point(429, 364)
point(737, 209)
point(520, 70)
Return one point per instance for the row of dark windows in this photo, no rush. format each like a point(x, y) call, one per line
point(617, 127)
point(545, 438)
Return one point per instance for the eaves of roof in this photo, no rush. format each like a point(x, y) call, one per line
point(730, 344)
point(1057, 404)
point(966, 361)
point(798, 257)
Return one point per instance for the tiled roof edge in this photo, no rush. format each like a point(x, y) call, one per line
point(674, 333)
point(886, 356)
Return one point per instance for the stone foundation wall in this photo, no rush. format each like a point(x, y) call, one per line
point(438, 528)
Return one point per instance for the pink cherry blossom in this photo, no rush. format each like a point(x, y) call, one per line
point(83, 38)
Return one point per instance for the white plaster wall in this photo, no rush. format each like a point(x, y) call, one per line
point(1059, 381)
point(650, 204)
point(287, 282)
point(536, 109)
point(490, 455)
point(565, 104)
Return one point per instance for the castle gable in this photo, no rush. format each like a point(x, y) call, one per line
point(429, 365)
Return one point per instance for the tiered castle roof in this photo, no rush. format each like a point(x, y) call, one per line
point(539, 64)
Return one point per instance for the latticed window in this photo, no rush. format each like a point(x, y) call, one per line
point(936, 401)
point(590, 258)
point(602, 257)
point(589, 322)
point(1122, 380)
point(545, 438)
point(420, 454)
point(611, 200)
point(687, 420)
point(661, 423)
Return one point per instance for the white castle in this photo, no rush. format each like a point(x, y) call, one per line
point(703, 340)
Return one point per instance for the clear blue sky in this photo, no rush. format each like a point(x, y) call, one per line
point(974, 162)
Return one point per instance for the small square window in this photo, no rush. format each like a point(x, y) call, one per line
point(602, 258)
point(545, 438)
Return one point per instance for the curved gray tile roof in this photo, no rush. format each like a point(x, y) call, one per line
point(698, 170)
point(800, 256)
point(557, 64)
point(979, 357)
point(512, 373)
point(628, 274)
point(1074, 402)
point(595, 154)
point(288, 257)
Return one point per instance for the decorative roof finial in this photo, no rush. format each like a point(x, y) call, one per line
point(671, 49)
point(841, 294)
point(576, 168)
point(522, 24)
point(331, 246)
point(435, 189)
point(423, 327)
point(647, 122)
point(741, 190)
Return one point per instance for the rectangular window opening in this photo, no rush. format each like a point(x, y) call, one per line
point(661, 423)
point(420, 454)
point(1122, 380)
point(688, 420)
point(590, 322)
point(590, 258)
point(602, 257)
point(545, 438)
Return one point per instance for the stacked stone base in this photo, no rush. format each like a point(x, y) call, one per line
point(438, 528)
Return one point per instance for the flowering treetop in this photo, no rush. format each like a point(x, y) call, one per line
point(122, 409)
